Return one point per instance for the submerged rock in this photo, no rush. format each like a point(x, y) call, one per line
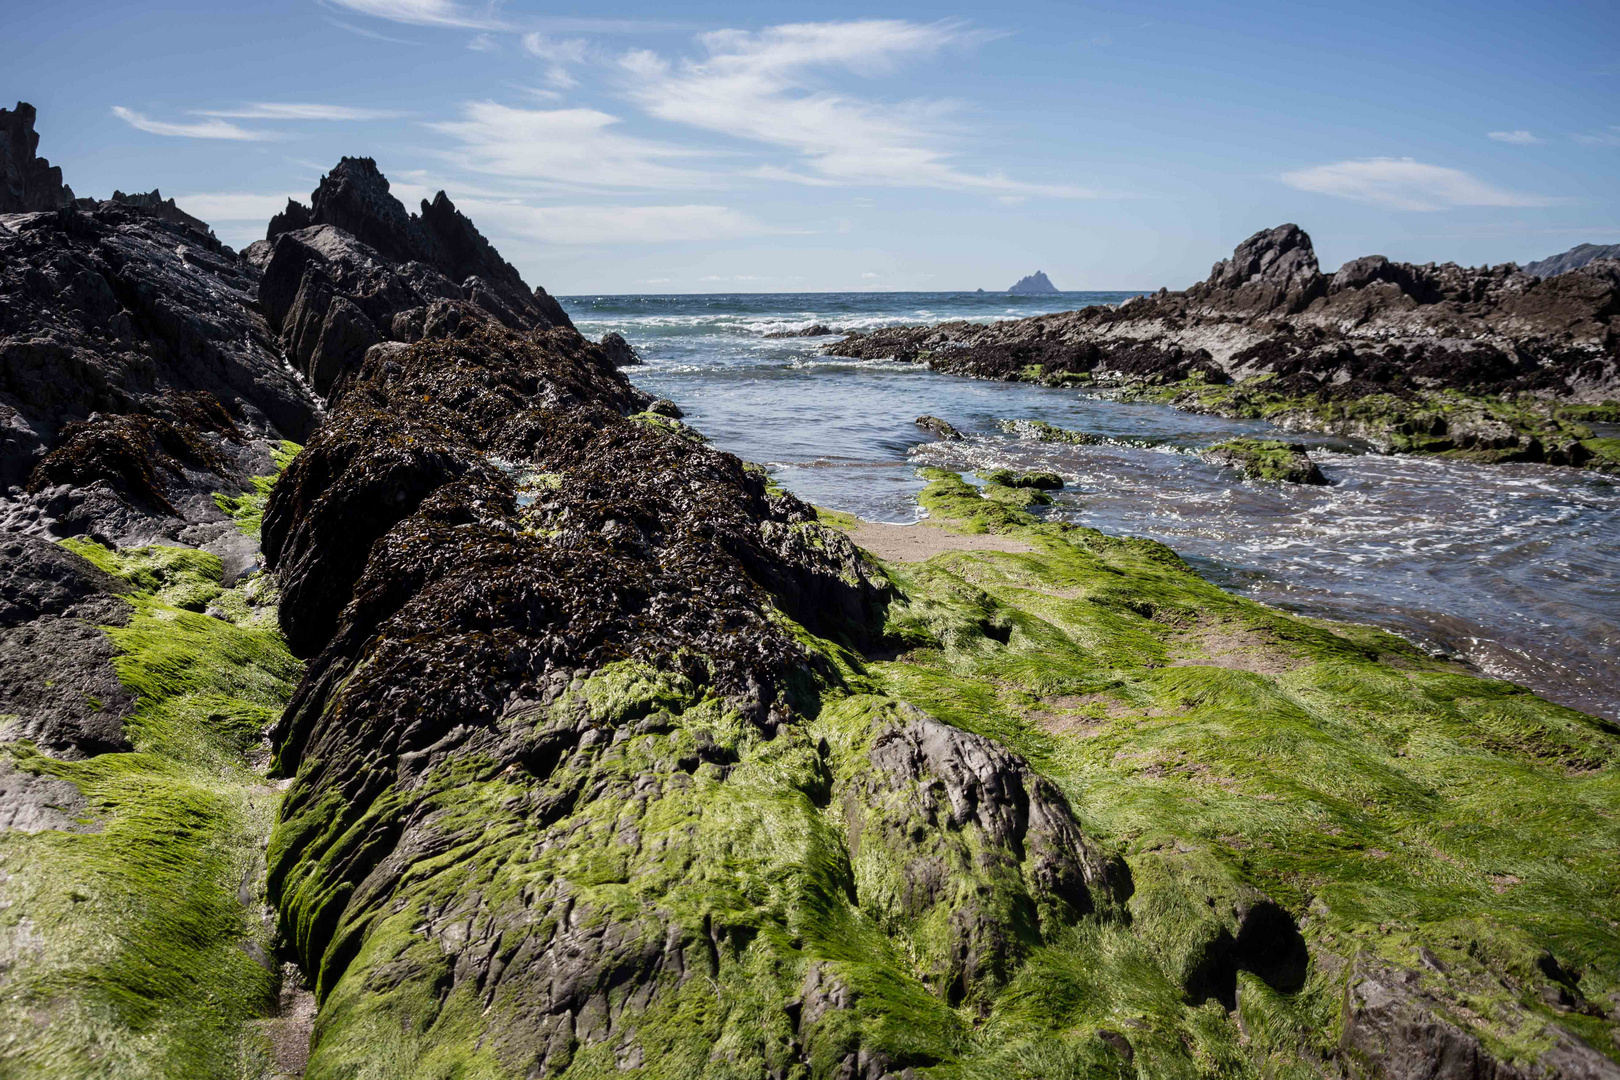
point(1266, 459)
point(816, 330)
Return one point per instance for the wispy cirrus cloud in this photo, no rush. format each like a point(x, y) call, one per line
point(560, 53)
point(445, 13)
point(1609, 136)
point(1405, 184)
point(266, 110)
point(1517, 138)
point(577, 149)
point(202, 129)
point(764, 87)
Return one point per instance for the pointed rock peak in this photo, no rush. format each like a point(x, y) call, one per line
point(354, 197)
point(1037, 282)
point(1271, 270)
point(28, 183)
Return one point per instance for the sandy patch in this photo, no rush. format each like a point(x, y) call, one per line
point(924, 540)
point(1236, 648)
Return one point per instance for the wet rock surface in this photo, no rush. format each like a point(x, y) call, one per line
point(1269, 331)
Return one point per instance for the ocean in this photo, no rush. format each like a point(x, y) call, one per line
point(1515, 568)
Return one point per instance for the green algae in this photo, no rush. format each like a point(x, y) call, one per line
point(138, 946)
point(1448, 423)
point(247, 509)
point(1364, 798)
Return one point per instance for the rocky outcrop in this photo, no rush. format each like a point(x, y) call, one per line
point(28, 182)
point(943, 429)
point(1372, 330)
point(1035, 284)
point(1573, 259)
point(354, 269)
point(1266, 459)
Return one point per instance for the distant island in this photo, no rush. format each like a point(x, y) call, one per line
point(1037, 282)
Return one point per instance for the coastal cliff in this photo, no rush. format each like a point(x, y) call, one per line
point(1491, 363)
point(392, 689)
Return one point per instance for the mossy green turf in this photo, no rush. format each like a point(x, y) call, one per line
point(1420, 422)
point(1390, 801)
point(139, 947)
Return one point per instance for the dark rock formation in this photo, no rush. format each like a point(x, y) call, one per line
point(154, 203)
point(618, 350)
point(355, 269)
point(27, 182)
point(1573, 259)
point(120, 310)
point(1035, 284)
point(817, 330)
point(1374, 330)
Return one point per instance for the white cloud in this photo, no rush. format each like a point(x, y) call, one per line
point(1517, 138)
point(1405, 184)
point(608, 225)
point(571, 148)
point(484, 43)
point(426, 12)
point(1608, 137)
point(565, 51)
point(205, 129)
point(268, 110)
point(214, 206)
point(762, 87)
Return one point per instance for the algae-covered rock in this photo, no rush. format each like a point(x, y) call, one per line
point(935, 426)
point(1266, 459)
point(1044, 432)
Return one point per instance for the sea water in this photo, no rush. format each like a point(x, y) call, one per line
point(1514, 568)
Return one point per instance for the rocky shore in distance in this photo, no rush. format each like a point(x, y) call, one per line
point(1494, 364)
point(392, 689)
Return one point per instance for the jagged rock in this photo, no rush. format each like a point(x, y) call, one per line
point(1573, 259)
point(1035, 284)
point(936, 426)
point(1273, 270)
point(27, 182)
point(355, 269)
point(153, 202)
point(620, 351)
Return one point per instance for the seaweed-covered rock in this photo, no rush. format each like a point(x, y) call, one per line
point(1266, 459)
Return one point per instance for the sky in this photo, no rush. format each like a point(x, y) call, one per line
point(632, 147)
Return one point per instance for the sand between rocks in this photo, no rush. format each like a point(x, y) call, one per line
point(914, 543)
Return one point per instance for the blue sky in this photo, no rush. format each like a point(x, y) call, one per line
point(782, 147)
